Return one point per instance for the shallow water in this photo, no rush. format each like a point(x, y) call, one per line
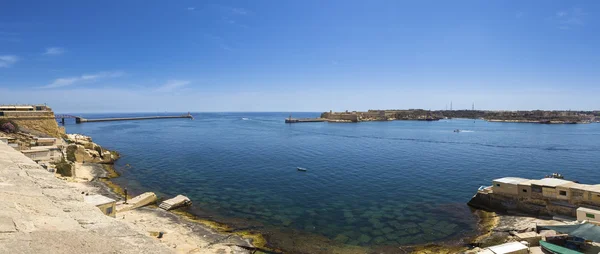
point(367, 184)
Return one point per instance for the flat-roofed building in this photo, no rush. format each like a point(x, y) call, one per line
point(547, 187)
point(587, 214)
point(507, 185)
point(571, 191)
point(524, 189)
point(594, 194)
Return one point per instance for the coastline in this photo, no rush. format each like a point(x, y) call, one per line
point(186, 233)
point(182, 231)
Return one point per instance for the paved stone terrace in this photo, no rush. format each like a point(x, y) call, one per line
point(42, 214)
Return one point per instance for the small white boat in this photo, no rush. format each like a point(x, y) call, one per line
point(301, 169)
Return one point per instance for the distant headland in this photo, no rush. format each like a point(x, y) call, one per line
point(520, 116)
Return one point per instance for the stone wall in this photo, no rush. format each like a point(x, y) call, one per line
point(40, 127)
point(39, 123)
point(353, 117)
point(532, 206)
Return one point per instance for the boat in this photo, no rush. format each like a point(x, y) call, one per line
point(457, 130)
point(301, 169)
point(556, 249)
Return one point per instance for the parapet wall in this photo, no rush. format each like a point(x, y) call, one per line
point(26, 114)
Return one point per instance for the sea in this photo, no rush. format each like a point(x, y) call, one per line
point(368, 185)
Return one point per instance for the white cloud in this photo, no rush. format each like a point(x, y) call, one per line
point(570, 18)
point(54, 51)
point(191, 8)
point(172, 85)
point(8, 60)
point(62, 82)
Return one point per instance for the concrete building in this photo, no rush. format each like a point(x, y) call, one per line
point(572, 191)
point(43, 153)
point(507, 185)
point(524, 189)
point(547, 188)
point(587, 214)
point(105, 204)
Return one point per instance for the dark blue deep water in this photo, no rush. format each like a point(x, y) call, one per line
point(368, 184)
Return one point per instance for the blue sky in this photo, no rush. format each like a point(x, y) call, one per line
point(129, 56)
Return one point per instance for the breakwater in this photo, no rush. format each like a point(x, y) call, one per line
point(304, 120)
point(85, 120)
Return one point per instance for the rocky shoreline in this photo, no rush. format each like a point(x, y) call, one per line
point(92, 173)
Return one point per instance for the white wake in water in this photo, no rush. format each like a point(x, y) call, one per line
point(467, 131)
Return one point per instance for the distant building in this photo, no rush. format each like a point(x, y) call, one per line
point(24, 108)
point(12, 111)
point(105, 204)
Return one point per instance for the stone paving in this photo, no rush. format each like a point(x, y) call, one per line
point(42, 214)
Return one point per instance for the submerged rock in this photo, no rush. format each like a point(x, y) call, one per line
point(363, 239)
point(341, 238)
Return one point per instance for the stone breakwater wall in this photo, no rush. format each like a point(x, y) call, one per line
point(535, 207)
point(42, 214)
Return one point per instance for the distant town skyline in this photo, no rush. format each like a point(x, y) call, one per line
point(299, 56)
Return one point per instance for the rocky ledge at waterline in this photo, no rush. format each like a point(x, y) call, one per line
point(82, 149)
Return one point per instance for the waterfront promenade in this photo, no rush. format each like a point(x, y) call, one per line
point(42, 214)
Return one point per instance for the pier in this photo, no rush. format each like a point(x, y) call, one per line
point(84, 120)
point(304, 120)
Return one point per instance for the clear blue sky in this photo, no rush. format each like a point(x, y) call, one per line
point(99, 56)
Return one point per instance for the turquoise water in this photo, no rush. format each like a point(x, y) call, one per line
point(368, 184)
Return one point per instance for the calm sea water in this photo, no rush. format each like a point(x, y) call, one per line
point(368, 184)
